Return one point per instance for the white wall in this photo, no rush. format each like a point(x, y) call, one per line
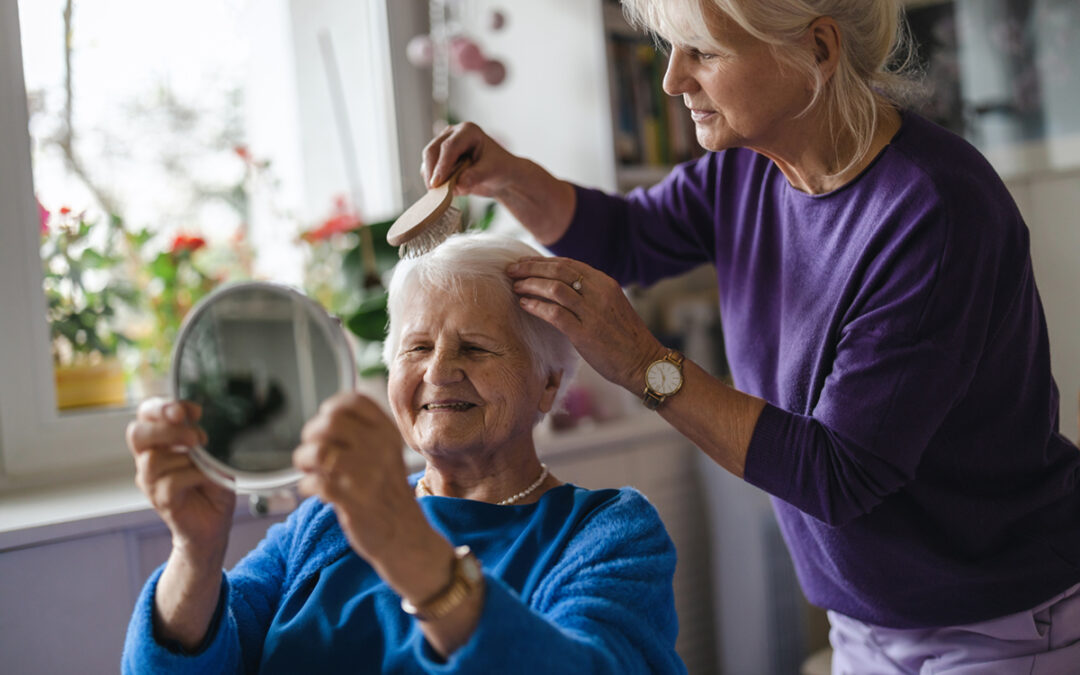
point(553, 106)
point(1050, 204)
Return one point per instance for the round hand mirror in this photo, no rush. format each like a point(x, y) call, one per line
point(259, 358)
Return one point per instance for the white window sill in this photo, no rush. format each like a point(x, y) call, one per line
point(46, 514)
point(40, 515)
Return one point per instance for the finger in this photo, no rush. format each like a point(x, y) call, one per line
point(548, 290)
point(561, 269)
point(150, 467)
point(176, 483)
point(340, 426)
point(152, 409)
point(352, 403)
point(310, 485)
point(320, 458)
point(430, 155)
point(464, 139)
point(558, 316)
point(160, 408)
point(143, 435)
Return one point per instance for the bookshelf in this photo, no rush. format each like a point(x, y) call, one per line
point(651, 131)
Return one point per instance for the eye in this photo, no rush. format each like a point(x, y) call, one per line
point(701, 56)
point(475, 349)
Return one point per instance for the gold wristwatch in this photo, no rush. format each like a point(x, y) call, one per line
point(465, 575)
point(662, 379)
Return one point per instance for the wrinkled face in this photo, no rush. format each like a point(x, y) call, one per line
point(738, 94)
point(462, 380)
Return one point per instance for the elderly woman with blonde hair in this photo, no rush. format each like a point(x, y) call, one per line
point(484, 563)
point(893, 389)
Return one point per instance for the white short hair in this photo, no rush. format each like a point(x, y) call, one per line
point(480, 258)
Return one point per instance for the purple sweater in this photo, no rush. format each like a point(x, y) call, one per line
point(911, 439)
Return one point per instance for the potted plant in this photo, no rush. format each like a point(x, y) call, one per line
point(83, 295)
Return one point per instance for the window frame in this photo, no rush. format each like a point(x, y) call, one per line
point(38, 443)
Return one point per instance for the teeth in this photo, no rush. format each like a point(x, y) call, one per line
point(448, 406)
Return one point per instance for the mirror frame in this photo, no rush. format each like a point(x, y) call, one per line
point(268, 482)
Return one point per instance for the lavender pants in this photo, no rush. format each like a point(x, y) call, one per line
point(1044, 640)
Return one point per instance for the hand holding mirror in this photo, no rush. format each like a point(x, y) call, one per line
point(259, 358)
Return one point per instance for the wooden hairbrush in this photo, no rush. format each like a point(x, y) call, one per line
point(430, 220)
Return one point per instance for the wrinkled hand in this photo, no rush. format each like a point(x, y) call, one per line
point(350, 453)
point(598, 319)
point(197, 510)
point(492, 169)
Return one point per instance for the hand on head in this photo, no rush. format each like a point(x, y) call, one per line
point(197, 510)
point(590, 308)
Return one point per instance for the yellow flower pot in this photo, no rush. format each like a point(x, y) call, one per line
point(84, 386)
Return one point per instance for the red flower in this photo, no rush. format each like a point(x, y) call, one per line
point(43, 216)
point(342, 220)
point(186, 242)
point(242, 152)
point(65, 210)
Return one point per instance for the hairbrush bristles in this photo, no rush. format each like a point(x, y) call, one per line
point(430, 219)
point(434, 234)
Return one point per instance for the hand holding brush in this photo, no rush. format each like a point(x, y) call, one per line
point(540, 202)
point(430, 220)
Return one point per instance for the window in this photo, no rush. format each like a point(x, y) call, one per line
point(205, 121)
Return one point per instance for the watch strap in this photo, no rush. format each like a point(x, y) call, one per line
point(455, 592)
point(651, 399)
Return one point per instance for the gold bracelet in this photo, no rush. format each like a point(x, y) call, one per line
point(465, 576)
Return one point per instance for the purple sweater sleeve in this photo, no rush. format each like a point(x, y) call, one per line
point(648, 235)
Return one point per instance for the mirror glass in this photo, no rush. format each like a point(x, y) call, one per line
point(259, 358)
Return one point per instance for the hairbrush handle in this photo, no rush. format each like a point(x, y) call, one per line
point(426, 210)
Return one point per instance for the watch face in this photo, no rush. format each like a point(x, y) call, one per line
point(469, 565)
point(471, 569)
point(664, 378)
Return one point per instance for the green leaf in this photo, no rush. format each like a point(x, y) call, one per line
point(164, 267)
point(370, 319)
point(125, 291)
point(484, 221)
point(368, 325)
point(140, 238)
point(91, 259)
point(386, 256)
point(352, 268)
point(372, 369)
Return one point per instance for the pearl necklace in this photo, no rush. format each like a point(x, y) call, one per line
point(422, 490)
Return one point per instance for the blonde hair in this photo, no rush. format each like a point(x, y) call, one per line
point(876, 68)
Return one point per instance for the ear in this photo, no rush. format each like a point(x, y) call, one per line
point(551, 388)
point(825, 40)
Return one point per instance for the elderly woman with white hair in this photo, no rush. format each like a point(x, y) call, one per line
point(893, 389)
point(484, 563)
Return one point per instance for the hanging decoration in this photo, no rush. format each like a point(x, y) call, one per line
point(451, 52)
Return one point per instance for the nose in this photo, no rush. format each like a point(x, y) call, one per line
point(677, 81)
point(443, 367)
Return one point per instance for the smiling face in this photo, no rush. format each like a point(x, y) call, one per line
point(462, 380)
point(736, 90)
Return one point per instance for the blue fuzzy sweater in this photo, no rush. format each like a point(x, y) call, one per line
point(580, 581)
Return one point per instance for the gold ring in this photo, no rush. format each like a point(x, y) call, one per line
point(577, 283)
